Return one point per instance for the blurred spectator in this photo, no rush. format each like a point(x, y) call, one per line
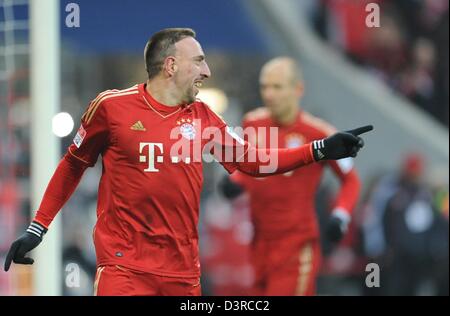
point(417, 80)
point(409, 51)
point(421, 17)
point(386, 53)
point(442, 69)
point(342, 23)
point(406, 235)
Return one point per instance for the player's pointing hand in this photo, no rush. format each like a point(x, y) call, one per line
point(340, 145)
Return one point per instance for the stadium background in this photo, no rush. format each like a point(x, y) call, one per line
point(394, 76)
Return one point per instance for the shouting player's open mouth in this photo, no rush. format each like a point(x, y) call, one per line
point(197, 85)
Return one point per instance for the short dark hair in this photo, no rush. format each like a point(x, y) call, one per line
point(161, 45)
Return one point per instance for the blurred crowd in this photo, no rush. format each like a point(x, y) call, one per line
point(401, 224)
point(409, 51)
point(405, 229)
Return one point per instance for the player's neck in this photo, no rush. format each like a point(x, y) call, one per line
point(161, 92)
point(288, 118)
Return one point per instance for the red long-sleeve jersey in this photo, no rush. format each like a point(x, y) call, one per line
point(286, 202)
point(149, 191)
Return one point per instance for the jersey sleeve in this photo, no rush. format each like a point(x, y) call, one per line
point(238, 177)
point(89, 142)
point(225, 145)
point(235, 153)
point(348, 195)
point(93, 135)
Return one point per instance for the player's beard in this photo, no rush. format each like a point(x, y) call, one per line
point(275, 109)
point(279, 111)
point(190, 95)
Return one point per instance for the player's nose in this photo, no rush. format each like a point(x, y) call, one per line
point(205, 70)
point(267, 95)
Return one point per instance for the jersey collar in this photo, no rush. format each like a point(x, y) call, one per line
point(161, 109)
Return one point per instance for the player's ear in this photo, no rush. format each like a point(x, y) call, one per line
point(170, 66)
point(299, 89)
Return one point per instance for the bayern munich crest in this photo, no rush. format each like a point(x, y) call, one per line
point(187, 128)
point(294, 141)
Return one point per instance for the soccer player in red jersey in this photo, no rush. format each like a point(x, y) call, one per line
point(150, 137)
point(286, 250)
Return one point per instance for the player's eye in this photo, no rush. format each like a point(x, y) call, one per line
point(276, 87)
point(199, 60)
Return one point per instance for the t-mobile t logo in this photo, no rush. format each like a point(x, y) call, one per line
point(150, 157)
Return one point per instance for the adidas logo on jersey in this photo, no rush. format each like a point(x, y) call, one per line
point(138, 126)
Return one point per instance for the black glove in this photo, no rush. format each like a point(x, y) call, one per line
point(229, 188)
point(340, 145)
point(337, 226)
point(25, 243)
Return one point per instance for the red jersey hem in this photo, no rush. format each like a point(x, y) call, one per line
point(151, 271)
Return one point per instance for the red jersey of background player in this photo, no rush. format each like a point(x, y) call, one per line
point(137, 227)
point(277, 204)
